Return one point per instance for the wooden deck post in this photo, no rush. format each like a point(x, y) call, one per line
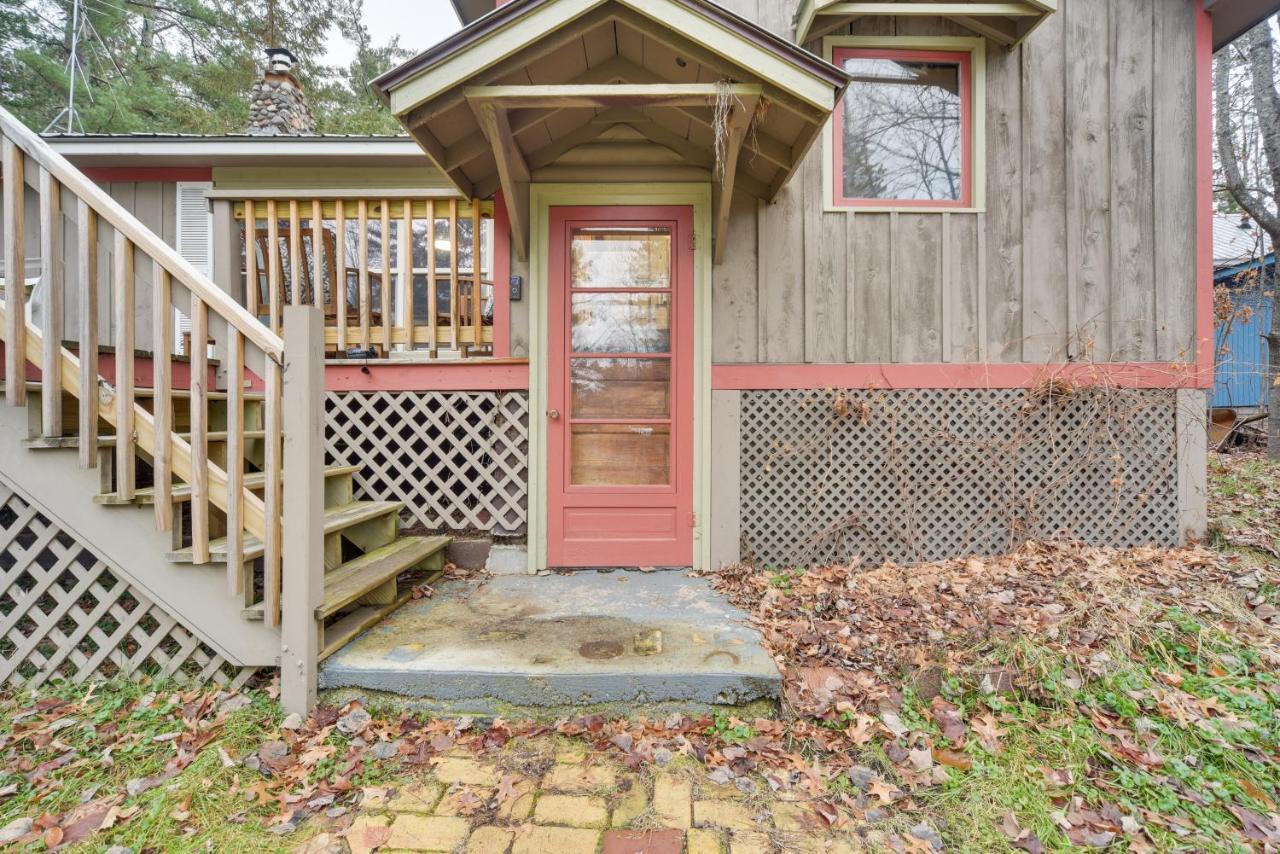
point(303, 571)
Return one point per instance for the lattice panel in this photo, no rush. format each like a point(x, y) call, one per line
point(926, 475)
point(458, 460)
point(64, 614)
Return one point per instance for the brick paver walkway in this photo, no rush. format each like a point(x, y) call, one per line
point(569, 803)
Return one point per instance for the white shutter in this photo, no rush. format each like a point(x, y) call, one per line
point(195, 240)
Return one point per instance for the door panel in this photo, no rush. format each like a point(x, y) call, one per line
point(620, 385)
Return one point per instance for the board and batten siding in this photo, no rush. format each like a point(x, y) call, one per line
point(1085, 248)
point(153, 202)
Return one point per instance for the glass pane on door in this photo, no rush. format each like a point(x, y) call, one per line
point(621, 388)
point(620, 258)
point(620, 454)
point(620, 307)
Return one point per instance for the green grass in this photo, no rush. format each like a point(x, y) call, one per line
point(217, 817)
point(1203, 755)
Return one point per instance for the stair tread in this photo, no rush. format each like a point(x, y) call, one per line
point(353, 579)
point(335, 519)
point(349, 626)
point(252, 480)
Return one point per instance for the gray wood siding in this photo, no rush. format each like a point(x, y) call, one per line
point(1085, 248)
point(153, 202)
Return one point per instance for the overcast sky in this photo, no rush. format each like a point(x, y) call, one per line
point(419, 23)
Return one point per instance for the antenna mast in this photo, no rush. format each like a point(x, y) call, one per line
point(69, 112)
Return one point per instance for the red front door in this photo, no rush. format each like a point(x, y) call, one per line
point(620, 387)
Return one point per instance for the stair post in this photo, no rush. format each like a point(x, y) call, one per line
point(302, 412)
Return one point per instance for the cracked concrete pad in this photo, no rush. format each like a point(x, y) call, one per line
point(575, 640)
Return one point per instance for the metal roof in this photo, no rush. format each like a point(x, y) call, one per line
point(1237, 240)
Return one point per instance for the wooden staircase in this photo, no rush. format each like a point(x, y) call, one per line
point(234, 475)
point(370, 567)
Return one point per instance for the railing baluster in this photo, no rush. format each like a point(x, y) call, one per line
point(339, 284)
point(136, 429)
point(295, 253)
point(317, 254)
point(477, 308)
point(406, 274)
point(122, 266)
point(87, 272)
point(251, 256)
point(51, 312)
point(235, 464)
point(432, 297)
point(162, 400)
point(385, 291)
point(15, 277)
point(272, 498)
point(274, 285)
point(366, 297)
point(199, 430)
point(453, 272)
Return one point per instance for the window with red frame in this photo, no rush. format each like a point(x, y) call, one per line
point(902, 130)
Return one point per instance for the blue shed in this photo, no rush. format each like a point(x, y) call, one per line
point(1244, 262)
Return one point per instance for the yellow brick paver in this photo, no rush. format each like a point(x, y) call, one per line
point(579, 778)
point(748, 842)
point(452, 769)
point(416, 797)
point(489, 840)
point(427, 832)
point(672, 799)
point(730, 814)
point(356, 838)
point(792, 817)
point(703, 841)
point(629, 805)
point(519, 807)
point(532, 839)
point(466, 800)
point(571, 810)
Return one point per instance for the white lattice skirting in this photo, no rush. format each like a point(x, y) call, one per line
point(926, 475)
point(458, 460)
point(64, 614)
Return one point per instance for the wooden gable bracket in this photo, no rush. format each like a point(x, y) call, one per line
point(513, 171)
point(1006, 23)
point(491, 104)
point(741, 112)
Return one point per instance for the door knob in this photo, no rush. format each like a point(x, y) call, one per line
point(553, 414)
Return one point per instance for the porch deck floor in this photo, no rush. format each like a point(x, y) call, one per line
point(587, 640)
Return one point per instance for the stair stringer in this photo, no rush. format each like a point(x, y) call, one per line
point(127, 541)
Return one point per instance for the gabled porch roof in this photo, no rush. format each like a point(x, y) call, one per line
point(521, 87)
point(1006, 23)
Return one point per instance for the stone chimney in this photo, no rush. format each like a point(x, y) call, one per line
point(277, 105)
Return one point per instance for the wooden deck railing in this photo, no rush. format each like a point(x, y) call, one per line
point(255, 357)
point(392, 274)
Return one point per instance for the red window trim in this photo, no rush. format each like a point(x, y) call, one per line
point(965, 60)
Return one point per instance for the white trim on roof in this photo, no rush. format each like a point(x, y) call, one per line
point(264, 147)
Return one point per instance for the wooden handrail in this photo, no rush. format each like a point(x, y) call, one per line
point(111, 212)
point(138, 430)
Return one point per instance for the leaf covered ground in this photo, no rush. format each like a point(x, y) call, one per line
point(1058, 698)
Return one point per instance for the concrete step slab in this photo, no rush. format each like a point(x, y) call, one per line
point(553, 645)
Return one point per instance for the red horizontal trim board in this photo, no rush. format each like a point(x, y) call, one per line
point(384, 376)
point(103, 174)
point(793, 376)
point(143, 368)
